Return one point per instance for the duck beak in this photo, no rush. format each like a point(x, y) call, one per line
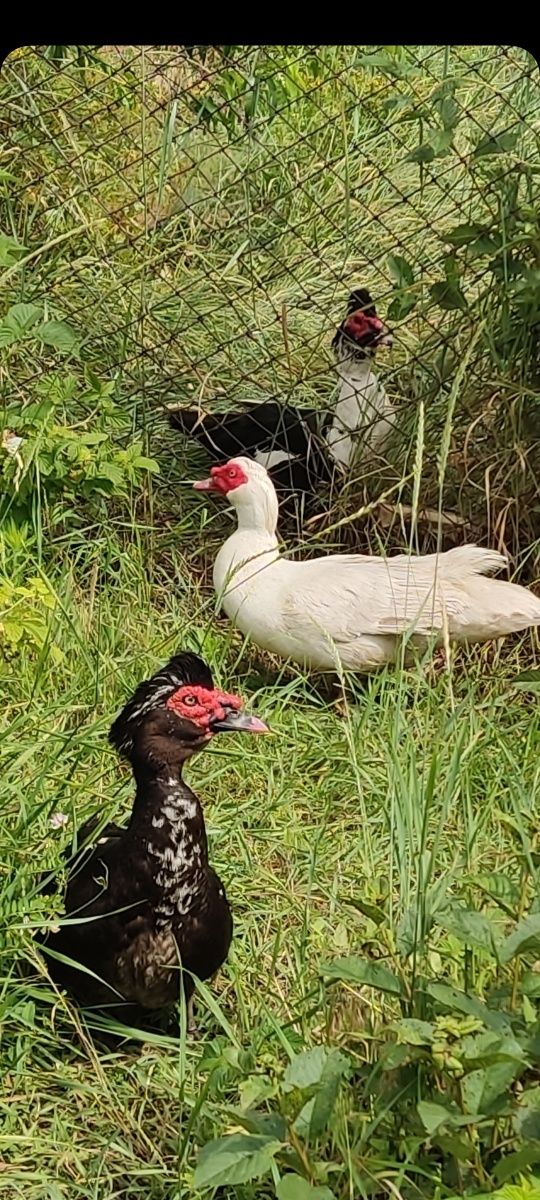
point(205, 485)
point(238, 722)
point(385, 340)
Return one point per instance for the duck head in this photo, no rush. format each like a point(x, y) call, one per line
point(362, 332)
point(248, 487)
point(176, 713)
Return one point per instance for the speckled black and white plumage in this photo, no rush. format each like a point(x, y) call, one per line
point(156, 904)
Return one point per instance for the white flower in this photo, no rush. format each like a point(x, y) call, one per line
point(11, 442)
point(58, 819)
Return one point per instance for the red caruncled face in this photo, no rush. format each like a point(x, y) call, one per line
point(201, 705)
point(228, 477)
point(361, 326)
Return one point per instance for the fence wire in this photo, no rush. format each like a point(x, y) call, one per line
point(199, 215)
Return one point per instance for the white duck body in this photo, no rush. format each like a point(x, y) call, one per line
point(349, 609)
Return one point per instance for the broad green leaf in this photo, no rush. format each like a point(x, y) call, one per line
point(146, 464)
point(401, 305)
point(448, 296)
point(530, 984)
point(306, 1069)
point(363, 971)
point(421, 154)
point(513, 1164)
point(441, 141)
point(450, 112)
point(501, 143)
point(400, 270)
point(484, 245)
point(293, 1187)
point(373, 912)
point(482, 1088)
point(471, 1091)
point(10, 250)
point(235, 1159)
point(335, 1068)
point(526, 936)
point(59, 335)
point(461, 235)
point(433, 1116)
point(470, 927)
point(413, 1032)
point(302, 1122)
point(458, 1145)
point(270, 1124)
point(452, 998)
point(481, 1049)
point(528, 680)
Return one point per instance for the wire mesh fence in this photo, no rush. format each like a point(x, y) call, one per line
point(184, 225)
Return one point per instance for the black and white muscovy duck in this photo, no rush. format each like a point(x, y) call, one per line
point(155, 903)
point(301, 448)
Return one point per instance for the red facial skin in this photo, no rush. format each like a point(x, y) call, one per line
point(359, 325)
point(201, 705)
point(222, 479)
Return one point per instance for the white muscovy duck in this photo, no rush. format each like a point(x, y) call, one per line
point(352, 609)
point(301, 447)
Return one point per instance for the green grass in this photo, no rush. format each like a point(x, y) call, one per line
point(394, 804)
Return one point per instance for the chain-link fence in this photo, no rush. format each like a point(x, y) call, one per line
point(188, 224)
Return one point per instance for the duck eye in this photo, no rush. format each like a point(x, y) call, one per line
point(231, 472)
point(189, 700)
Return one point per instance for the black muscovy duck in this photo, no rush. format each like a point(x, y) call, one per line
point(145, 899)
point(301, 447)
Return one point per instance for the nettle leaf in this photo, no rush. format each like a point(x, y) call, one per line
point(400, 270)
point(18, 321)
point(500, 143)
point(448, 296)
point(363, 971)
point(470, 927)
point(499, 888)
point(234, 1159)
point(526, 936)
point(293, 1187)
point(59, 335)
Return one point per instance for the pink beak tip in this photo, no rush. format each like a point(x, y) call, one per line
point(258, 726)
point(203, 485)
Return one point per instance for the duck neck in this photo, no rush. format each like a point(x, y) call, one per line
point(258, 512)
point(168, 822)
point(353, 413)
